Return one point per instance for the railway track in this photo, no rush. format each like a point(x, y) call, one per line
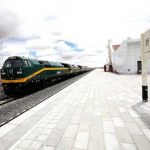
point(6, 99)
point(1, 90)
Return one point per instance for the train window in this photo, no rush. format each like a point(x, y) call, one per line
point(46, 62)
point(8, 64)
point(13, 63)
point(29, 63)
point(35, 62)
point(41, 62)
point(26, 63)
point(66, 65)
point(17, 63)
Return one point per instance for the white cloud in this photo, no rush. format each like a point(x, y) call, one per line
point(9, 24)
point(15, 50)
point(87, 23)
point(40, 43)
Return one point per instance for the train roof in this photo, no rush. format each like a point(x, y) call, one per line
point(15, 57)
point(45, 62)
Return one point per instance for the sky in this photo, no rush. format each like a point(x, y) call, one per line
point(72, 31)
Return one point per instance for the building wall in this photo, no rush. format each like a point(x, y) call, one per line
point(118, 58)
point(124, 59)
point(132, 56)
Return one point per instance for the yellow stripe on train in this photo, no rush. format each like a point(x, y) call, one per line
point(22, 80)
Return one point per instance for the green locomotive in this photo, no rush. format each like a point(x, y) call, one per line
point(19, 72)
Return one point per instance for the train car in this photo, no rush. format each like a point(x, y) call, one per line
point(73, 69)
point(70, 68)
point(76, 69)
point(80, 69)
point(19, 72)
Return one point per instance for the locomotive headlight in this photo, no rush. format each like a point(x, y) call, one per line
point(19, 72)
point(3, 73)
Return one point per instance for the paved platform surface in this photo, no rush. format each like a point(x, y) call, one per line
point(101, 111)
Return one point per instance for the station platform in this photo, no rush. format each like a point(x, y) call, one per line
point(101, 111)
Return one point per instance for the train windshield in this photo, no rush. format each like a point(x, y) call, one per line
point(13, 63)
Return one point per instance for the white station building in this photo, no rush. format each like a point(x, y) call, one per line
point(126, 57)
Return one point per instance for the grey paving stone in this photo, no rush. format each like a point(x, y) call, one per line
point(81, 141)
point(43, 125)
point(96, 121)
point(147, 133)
point(76, 119)
point(134, 114)
point(46, 131)
point(18, 148)
point(47, 148)
point(133, 128)
point(141, 123)
point(32, 136)
point(127, 146)
point(114, 112)
point(35, 145)
point(96, 134)
point(42, 137)
point(126, 117)
point(25, 144)
point(84, 127)
point(141, 142)
point(37, 130)
point(65, 144)
point(54, 138)
point(50, 126)
point(108, 126)
point(96, 112)
point(71, 131)
point(94, 145)
point(106, 116)
point(122, 109)
point(118, 122)
point(123, 135)
point(111, 142)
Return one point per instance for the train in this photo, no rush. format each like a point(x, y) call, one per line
point(19, 72)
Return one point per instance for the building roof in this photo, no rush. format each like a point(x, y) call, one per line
point(115, 47)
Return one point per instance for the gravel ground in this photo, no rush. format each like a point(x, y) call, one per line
point(15, 108)
point(1, 91)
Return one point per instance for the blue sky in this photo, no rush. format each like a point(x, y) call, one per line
point(72, 45)
point(33, 28)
